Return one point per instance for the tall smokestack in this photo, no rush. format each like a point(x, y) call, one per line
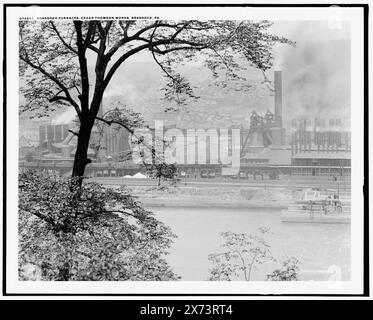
point(278, 99)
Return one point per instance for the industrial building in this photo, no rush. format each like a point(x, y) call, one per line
point(267, 151)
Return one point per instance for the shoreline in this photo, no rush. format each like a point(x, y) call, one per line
point(214, 197)
point(177, 203)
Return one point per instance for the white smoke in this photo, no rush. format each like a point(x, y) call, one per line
point(128, 90)
point(64, 118)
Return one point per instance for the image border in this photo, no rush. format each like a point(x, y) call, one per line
point(366, 279)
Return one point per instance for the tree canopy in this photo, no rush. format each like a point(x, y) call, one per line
point(59, 52)
point(89, 233)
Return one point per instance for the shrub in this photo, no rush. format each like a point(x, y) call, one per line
point(68, 232)
point(163, 171)
point(288, 271)
point(244, 253)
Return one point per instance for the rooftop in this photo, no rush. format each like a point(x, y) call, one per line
point(323, 155)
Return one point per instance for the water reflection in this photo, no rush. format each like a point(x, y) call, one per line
point(317, 246)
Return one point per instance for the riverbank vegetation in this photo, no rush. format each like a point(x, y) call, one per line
point(243, 254)
point(88, 232)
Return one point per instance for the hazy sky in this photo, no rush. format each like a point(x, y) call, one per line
point(316, 73)
point(316, 77)
point(305, 32)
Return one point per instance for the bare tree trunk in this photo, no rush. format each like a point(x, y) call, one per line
point(87, 120)
point(81, 155)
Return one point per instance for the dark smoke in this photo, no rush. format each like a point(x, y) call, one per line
point(317, 80)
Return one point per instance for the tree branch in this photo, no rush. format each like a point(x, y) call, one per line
point(55, 80)
point(37, 214)
point(100, 28)
point(58, 98)
point(93, 48)
point(62, 39)
point(137, 36)
point(110, 122)
point(180, 29)
point(115, 66)
point(120, 61)
point(84, 97)
point(73, 132)
point(91, 29)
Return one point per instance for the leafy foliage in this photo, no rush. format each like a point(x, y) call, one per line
point(162, 171)
point(120, 116)
point(67, 232)
point(243, 254)
point(53, 54)
point(288, 272)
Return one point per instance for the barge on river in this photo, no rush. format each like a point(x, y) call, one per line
point(319, 206)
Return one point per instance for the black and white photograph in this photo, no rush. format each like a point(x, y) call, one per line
point(184, 150)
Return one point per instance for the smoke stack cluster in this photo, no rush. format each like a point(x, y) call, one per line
point(278, 99)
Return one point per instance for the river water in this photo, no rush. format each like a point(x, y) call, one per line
point(318, 246)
